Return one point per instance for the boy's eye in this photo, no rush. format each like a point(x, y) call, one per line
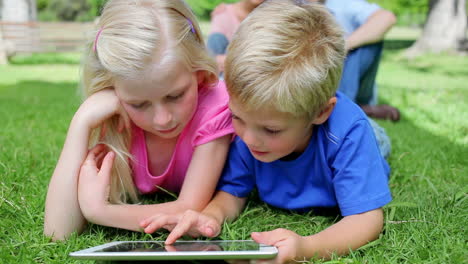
point(272, 131)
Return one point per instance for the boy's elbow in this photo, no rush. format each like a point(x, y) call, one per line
point(377, 222)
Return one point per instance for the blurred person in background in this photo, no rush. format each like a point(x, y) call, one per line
point(365, 25)
point(225, 19)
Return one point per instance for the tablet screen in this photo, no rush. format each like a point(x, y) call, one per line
point(182, 246)
point(180, 250)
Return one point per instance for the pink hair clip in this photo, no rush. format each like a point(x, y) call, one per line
point(191, 25)
point(96, 39)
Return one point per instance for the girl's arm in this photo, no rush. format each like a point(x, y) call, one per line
point(349, 233)
point(198, 188)
point(223, 207)
point(62, 211)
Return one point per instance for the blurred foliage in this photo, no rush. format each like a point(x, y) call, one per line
point(409, 12)
point(203, 8)
point(65, 10)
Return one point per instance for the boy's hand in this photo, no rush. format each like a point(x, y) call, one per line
point(289, 245)
point(94, 181)
point(191, 222)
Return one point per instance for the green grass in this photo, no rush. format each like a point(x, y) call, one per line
point(426, 222)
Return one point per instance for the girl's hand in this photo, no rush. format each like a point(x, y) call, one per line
point(101, 106)
point(289, 245)
point(191, 222)
point(94, 182)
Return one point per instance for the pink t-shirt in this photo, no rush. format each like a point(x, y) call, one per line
point(211, 120)
point(225, 22)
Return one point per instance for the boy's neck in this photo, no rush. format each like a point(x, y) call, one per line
point(296, 154)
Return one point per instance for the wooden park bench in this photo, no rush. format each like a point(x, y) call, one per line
point(33, 37)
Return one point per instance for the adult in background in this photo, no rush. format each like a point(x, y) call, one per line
point(225, 19)
point(365, 25)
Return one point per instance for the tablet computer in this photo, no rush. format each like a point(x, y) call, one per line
point(180, 250)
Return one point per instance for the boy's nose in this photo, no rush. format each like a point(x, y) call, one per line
point(249, 138)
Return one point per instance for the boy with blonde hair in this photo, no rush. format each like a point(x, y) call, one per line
point(301, 144)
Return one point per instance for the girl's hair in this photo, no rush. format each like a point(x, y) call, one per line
point(131, 36)
point(287, 54)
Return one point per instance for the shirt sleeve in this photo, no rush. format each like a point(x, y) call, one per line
point(238, 177)
point(361, 11)
point(360, 173)
point(217, 125)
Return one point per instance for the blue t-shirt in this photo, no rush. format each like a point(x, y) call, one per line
point(341, 166)
point(351, 14)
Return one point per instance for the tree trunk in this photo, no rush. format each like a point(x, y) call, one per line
point(444, 30)
point(20, 32)
point(18, 10)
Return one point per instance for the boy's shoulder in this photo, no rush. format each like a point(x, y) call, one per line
point(346, 122)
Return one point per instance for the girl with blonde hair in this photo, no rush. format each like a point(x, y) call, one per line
point(155, 118)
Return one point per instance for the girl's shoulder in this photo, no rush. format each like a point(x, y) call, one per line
point(213, 95)
point(212, 119)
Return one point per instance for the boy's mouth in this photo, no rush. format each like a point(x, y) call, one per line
point(258, 153)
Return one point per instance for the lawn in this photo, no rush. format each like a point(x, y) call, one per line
point(425, 223)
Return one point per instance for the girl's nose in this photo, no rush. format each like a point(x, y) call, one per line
point(162, 116)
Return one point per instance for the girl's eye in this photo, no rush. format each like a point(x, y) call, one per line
point(175, 97)
point(234, 117)
point(138, 106)
point(272, 131)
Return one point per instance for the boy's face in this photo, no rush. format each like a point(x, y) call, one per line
point(270, 135)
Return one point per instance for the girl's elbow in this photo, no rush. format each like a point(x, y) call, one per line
point(54, 234)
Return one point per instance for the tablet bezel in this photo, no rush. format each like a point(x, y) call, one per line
point(264, 252)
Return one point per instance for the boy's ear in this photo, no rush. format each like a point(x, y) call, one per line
point(326, 112)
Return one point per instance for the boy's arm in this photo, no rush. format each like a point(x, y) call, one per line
point(372, 31)
point(348, 234)
point(198, 188)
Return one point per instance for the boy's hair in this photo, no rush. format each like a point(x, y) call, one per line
point(287, 54)
point(131, 36)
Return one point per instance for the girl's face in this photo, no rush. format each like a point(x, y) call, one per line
point(162, 101)
point(270, 135)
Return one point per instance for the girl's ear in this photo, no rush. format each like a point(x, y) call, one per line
point(200, 77)
point(326, 112)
